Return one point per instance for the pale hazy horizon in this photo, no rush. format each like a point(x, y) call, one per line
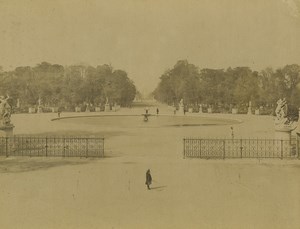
point(145, 37)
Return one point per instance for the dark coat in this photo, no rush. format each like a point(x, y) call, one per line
point(148, 178)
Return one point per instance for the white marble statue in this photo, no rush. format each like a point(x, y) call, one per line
point(282, 121)
point(5, 111)
point(181, 103)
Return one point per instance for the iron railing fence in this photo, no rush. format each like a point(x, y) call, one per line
point(240, 148)
point(36, 146)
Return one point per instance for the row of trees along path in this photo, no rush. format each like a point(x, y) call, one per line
point(56, 85)
point(228, 87)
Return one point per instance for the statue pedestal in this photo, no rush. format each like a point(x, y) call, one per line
point(181, 110)
point(200, 110)
point(77, 109)
point(249, 111)
point(234, 111)
point(54, 109)
point(6, 131)
point(107, 108)
point(31, 110)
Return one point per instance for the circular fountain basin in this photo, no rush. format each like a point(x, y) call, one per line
point(138, 121)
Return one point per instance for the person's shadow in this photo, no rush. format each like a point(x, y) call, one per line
point(158, 188)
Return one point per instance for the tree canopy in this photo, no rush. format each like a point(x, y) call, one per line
point(230, 87)
point(56, 85)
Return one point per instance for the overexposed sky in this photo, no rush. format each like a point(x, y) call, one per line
point(146, 37)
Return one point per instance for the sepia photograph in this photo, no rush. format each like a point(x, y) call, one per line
point(150, 114)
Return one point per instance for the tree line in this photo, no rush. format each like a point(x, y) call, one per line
point(224, 89)
point(54, 85)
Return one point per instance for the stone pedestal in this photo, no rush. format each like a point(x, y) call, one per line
point(54, 109)
point(181, 110)
point(234, 111)
point(257, 112)
point(97, 109)
point(77, 109)
point(249, 111)
point(116, 107)
point(107, 108)
point(39, 110)
point(6, 131)
point(190, 110)
point(31, 110)
point(200, 110)
point(209, 110)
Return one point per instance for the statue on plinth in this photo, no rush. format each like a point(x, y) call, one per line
point(282, 121)
point(249, 108)
point(5, 112)
point(181, 107)
point(181, 102)
point(107, 106)
point(200, 109)
point(39, 108)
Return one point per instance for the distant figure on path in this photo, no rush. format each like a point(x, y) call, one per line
point(157, 111)
point(148, 179)
point(232, 133)
point(58, 114)
point(147, 110)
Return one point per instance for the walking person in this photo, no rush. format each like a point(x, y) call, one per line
point(157, 111)
point(232, 133)
point(148, 179)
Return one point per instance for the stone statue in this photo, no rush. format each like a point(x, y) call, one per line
point(181, 103)
point(281, 111)
point(40, 101)
point(5, 111)
point(282, 121)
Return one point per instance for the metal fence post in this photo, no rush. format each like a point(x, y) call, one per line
point(241, 147)
point(87, 147)
point(103, 147)
point(224, 141)
point(200, 148)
